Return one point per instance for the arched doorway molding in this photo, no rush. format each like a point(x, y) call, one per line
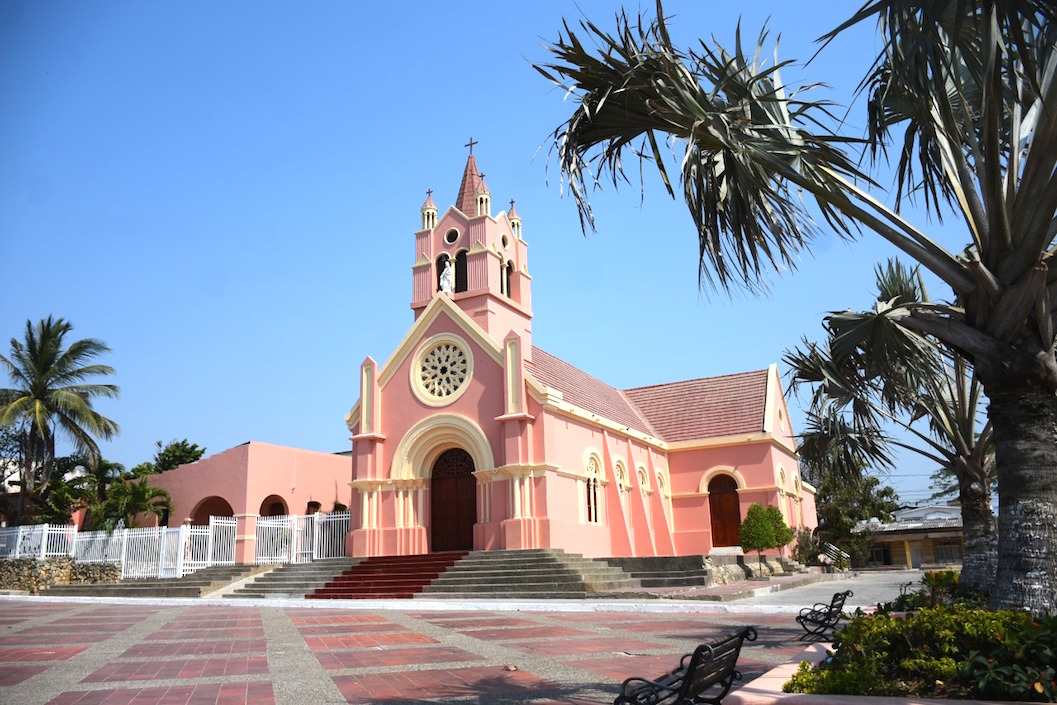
point(424, 442)
point(211, 506)
point(720, 470)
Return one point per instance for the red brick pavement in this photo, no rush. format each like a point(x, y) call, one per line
point(219, 655)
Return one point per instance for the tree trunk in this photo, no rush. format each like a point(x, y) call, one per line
point(980, 562)
point(1025, 432)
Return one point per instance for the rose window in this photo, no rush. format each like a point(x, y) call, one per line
point(444, 370)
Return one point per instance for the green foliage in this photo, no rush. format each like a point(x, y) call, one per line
point(847, 496)
point(1020, 666)
point(807, 548)
point(176, 453)
point(169, 456)
point(51, 398)
point(939, 588)
point(757, 532)
point(783, 535)
point(949, 651)
point(126, 501)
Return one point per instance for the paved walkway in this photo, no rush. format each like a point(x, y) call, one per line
point(85, 651)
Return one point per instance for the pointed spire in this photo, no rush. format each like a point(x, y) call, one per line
point(471, 184)
point(429, 200)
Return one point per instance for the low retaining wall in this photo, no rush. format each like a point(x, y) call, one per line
point(33, 575)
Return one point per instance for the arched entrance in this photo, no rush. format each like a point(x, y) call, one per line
point(211, 507)
point(724, 509)
point(453, 502)
point(273, 506)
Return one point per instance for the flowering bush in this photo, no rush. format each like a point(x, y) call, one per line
point(948, 651)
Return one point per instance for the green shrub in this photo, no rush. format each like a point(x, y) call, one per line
point(1020, 664)
point(806, 548)
point(938, 588)
point(952, 651)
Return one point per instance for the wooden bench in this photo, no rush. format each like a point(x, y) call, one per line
point(709, 668)
point(818, 619)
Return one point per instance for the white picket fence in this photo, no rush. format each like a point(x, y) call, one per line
point(152, 552)
point(301, 538)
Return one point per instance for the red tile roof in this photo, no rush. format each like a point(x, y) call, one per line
point(704, 408)
point(583, 390)
point(678, 411)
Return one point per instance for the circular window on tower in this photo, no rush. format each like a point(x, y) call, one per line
point(451, 236)
point(441, 369)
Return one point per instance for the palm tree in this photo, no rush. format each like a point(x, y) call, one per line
point(126, 501)
point(51, 398)
point(871, 371)
point(972, 85)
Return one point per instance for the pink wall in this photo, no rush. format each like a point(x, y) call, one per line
point(244, 476)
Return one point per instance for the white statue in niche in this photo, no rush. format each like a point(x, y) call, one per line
point(447, 277)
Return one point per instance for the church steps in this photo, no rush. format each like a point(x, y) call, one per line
point(664, 571)
point(544, 573)
point(387, 577)
point(294, 581)
point(202, 582)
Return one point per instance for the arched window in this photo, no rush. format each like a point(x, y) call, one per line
point(644, 480)
point(460, 271)
point(662, 485)
point(623, 486)
point(592, 490)
point(508, 273)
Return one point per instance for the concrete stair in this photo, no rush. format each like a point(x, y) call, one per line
point(293, 581)
point(664, 571)
point(527, 574)
point(387, 577)
point(197, 584)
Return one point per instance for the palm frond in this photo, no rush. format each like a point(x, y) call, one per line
point(744, 140)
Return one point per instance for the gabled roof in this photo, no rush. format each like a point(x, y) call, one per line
point(709, 407)
point(583, 390)
point(695, 409)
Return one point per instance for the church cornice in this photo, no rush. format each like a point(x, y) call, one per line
point(739, 439)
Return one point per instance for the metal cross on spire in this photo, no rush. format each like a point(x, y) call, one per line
point(470, 144)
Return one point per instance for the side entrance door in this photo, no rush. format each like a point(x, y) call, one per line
point(453, 502)
point(725, 511)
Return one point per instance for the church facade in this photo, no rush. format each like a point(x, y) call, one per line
point(469, 437)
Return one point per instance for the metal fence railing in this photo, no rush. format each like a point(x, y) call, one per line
point(169, 552)
point(37, 541)
point(151, 552)
point(301, 538)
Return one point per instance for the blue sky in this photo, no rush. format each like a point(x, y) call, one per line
point(226, 194)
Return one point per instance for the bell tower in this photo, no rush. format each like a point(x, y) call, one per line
point(478, 260)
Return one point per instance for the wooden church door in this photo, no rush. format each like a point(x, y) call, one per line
point(726, 514)
point(453, 502)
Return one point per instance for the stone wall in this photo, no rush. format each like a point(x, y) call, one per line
point(32, 575)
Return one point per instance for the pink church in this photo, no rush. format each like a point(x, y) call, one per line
point(469, 437)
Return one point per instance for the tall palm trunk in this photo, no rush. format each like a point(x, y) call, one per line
point(980, 562)
point(1025, 432)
